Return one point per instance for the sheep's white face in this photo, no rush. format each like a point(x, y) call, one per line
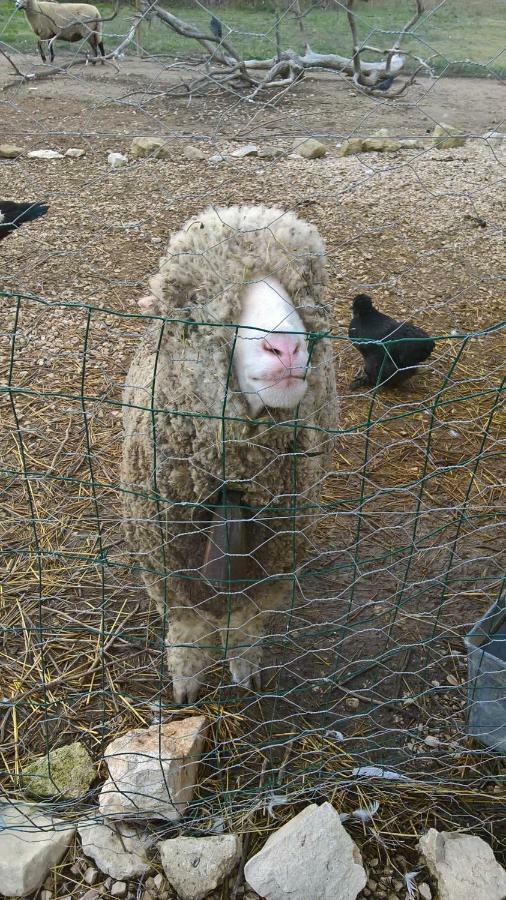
point(271, 366)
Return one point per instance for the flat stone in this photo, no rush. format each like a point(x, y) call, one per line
point(271, 152)
point(190, 152)
point(159, 882)
point(118, 849)
point(196, 866)
point(351, 147)
point(10, 151)
point(424, 891)
point(118, 889)
point(493, 136)
point(446, 137)
point(309, 148)
point(75, 153)
point(30, 844)
point(219, 158)
point(412, 144)
point(66, 772)
point(149, 146)
point(247, 150)
point(380, 145)
point(153, 770)
point(312, 855)
point(92, 894)
point(91, 875)
point(463, 865)
point(44, 154)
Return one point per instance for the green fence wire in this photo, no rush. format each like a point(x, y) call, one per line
point(367, 694)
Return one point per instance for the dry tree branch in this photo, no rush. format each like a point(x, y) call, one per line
point(14, 66)
point(227, 70)
point(299, 16)
point(353, 28)
point(420, 9)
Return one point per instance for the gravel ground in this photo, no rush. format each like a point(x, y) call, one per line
point(423, 230)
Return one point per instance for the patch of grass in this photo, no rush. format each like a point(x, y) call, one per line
point(457, 36)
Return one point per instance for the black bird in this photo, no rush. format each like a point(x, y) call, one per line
point(384, 85)
point(13, 215)
point(391, 363)
point(216, 27)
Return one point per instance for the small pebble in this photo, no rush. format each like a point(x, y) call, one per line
point(452, 680)
point(91, 875)
point(46, 895)
point(424, 891)
point(118, 889)
point(352, 702)
point(431, 740)
point(159, 881)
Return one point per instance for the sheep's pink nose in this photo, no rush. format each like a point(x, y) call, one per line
point(285, 347)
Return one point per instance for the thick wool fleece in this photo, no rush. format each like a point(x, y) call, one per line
point(187, 428)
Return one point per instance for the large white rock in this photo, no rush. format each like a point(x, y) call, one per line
point(247, 150)
point(311, 856)
point(118, 849)
point(30, 843)
point(463, 865)
point(309, 148)
point(117, 160)
point(149, 146)
point(196, 866)
point(153, 770)
point(445, 137)
point(44, 154)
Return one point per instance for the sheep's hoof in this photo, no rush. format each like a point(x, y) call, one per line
point(185, 689)
point(246, 674)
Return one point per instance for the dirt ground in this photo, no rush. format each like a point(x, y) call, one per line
point(409, 552)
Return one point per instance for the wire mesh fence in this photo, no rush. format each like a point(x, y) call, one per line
point(367, 695)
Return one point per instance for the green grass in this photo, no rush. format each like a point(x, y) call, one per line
point(459, 37)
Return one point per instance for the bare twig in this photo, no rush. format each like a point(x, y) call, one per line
point(353, 28)
point(13, 64)
point(407, 28)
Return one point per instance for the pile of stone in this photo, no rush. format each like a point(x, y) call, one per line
point(152, 774)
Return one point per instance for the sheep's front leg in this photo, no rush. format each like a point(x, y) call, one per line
point(41, 51)
point(190, 639)
point(242, 641)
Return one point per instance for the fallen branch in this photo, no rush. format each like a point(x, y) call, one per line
point(14, 66)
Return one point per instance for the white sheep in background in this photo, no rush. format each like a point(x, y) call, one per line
point(63, 22)
point(229, 433)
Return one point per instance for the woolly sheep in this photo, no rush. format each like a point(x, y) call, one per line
point(228, 433)
point(64, 22)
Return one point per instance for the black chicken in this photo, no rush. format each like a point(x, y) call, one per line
point(216, 27)
point(385, 362)
point(383, 85)
point(12, 215)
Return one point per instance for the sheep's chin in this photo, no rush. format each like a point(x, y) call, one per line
point(274, 396)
